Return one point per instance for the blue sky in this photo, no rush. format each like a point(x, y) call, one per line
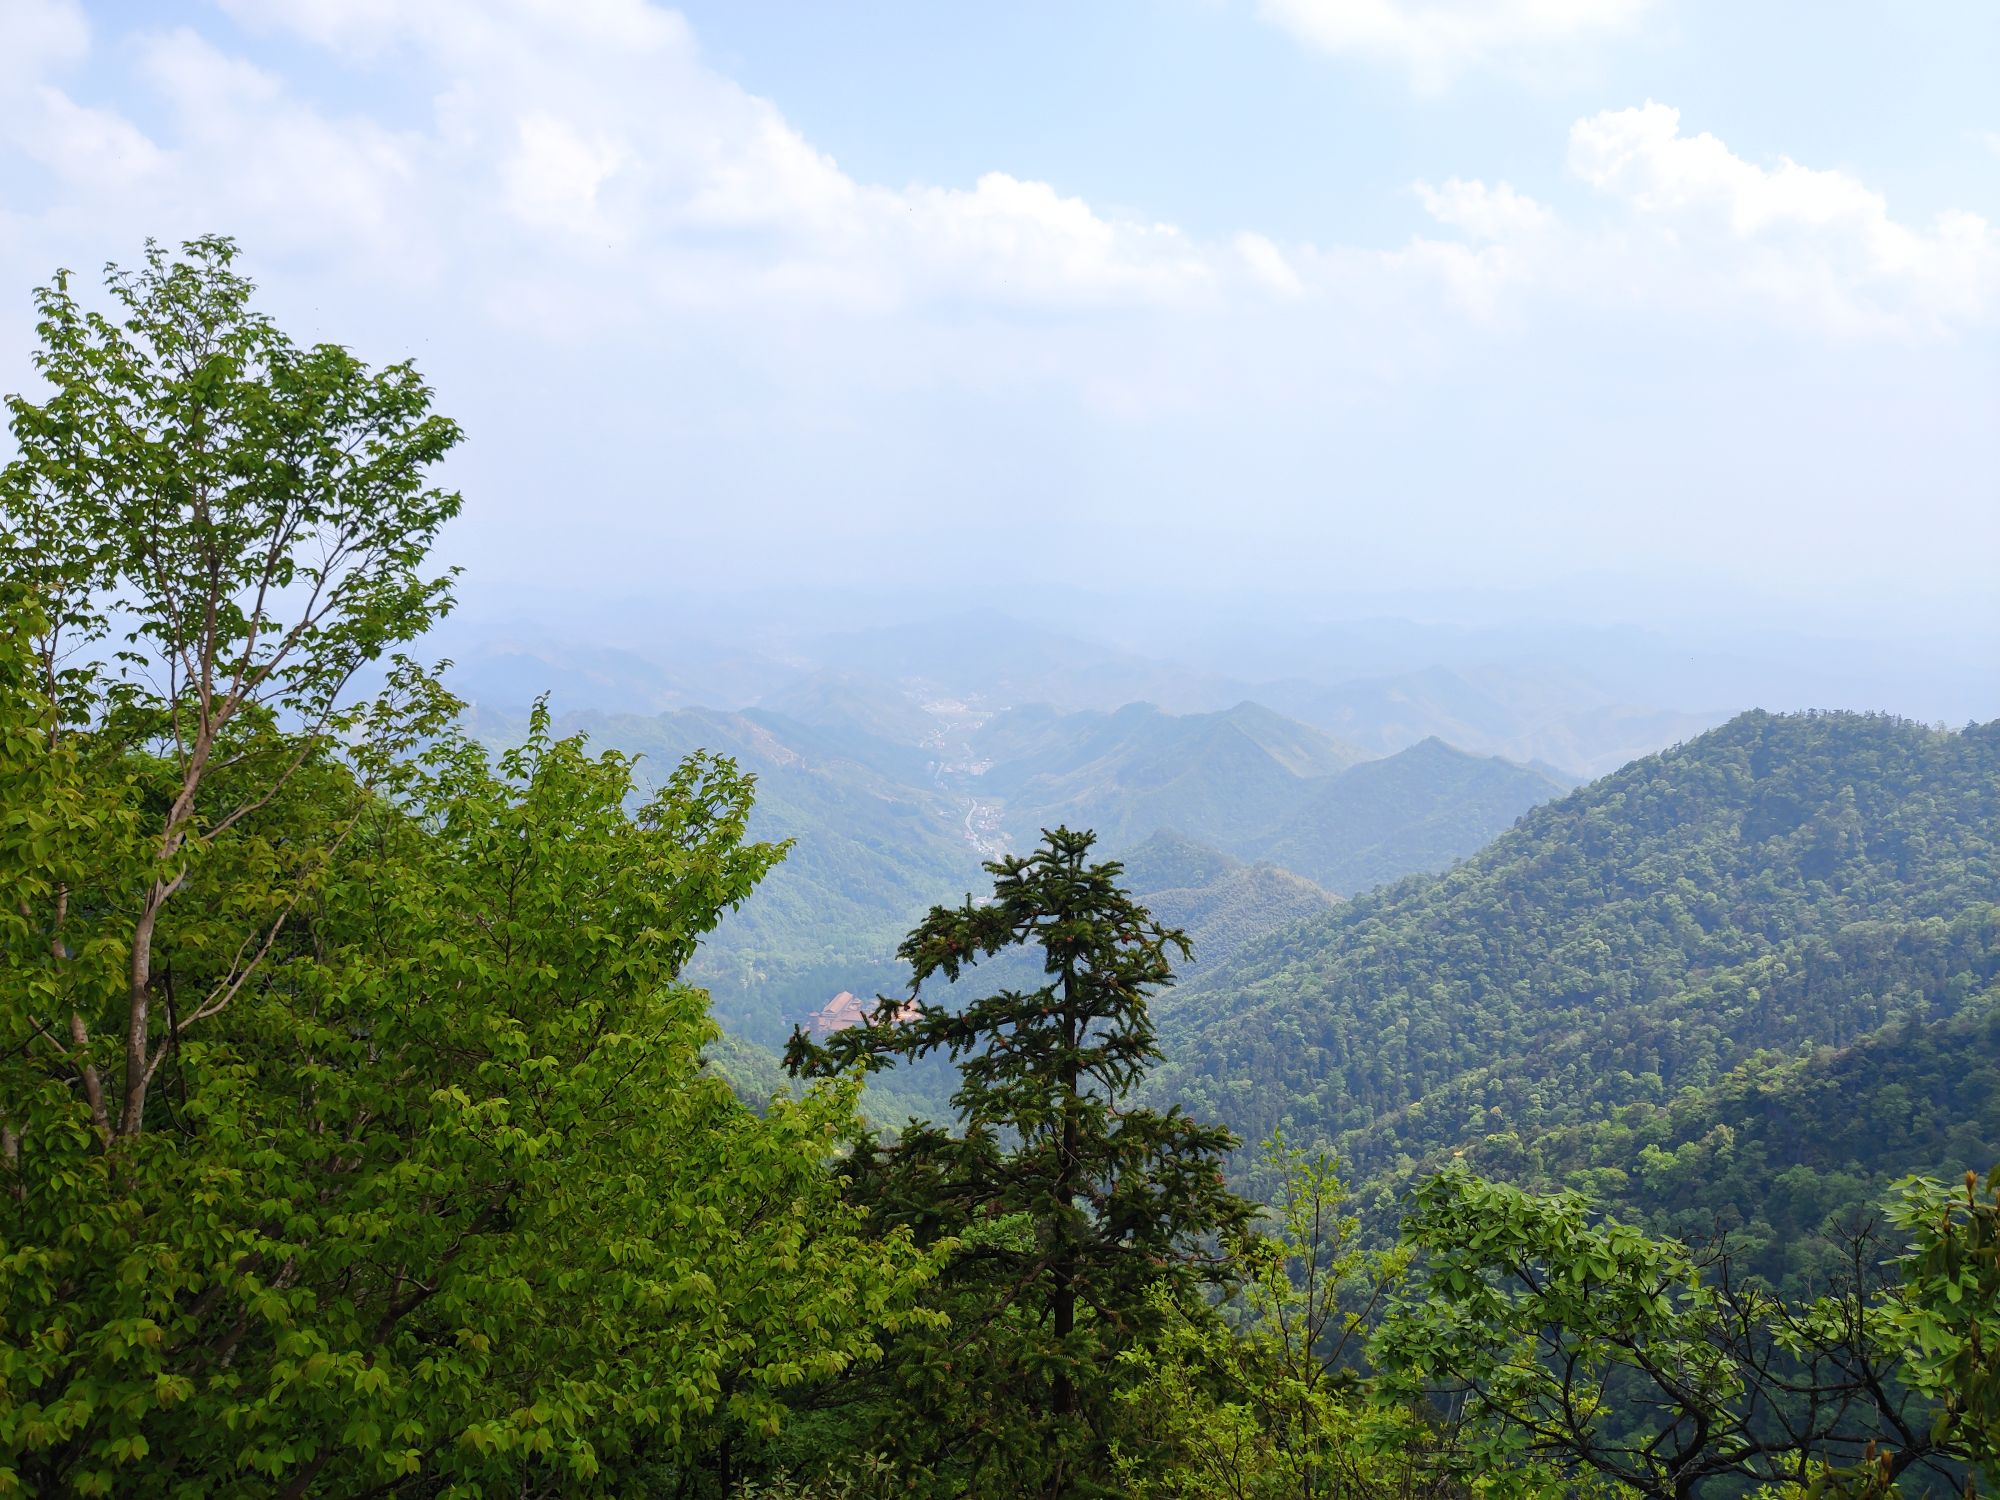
point(1631, 303)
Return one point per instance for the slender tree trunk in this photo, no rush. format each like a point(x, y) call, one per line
point(93, 1086)
point(138, 1024)
point(138, 1016)
point(79, 1034)
point(1065, 1264)
point(10, 1155)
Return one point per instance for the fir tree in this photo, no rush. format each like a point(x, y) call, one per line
point(1071, 1211)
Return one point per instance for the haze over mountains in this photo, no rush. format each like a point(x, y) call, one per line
point(1269, 818)
point(1498, 674)
point(1379, 687)
point(899, 753)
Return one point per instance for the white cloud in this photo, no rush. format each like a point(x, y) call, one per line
point(41, 35)
point(602, 124)
point(578, 167)
point(1267, 263)
point(1437, 40)
point(78, 143)
point(1680, 225)
point(1814, 242)
point(1482, 212)
point(1474, 278)
point(247, 153)
point(553, 175)
point(1011, 241)
point(43, 38)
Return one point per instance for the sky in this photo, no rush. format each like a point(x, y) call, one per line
point(1619, 307)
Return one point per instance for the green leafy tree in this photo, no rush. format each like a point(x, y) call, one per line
point(1067, 1207)
point(418, 1182)
point(1610, 1357)
point(220, 528)
point(1266, 1403)
point(1948, 1317)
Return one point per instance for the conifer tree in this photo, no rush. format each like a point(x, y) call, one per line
point(1071, 1210)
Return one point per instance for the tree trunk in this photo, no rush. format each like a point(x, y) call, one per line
point(1065, 1263)
point(138, 1017)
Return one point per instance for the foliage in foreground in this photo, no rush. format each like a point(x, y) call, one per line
point(1602, 1355)
point(1268, 1400)
point(356, 1133)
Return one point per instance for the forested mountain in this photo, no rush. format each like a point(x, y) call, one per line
point(1417, 810)
point(1782, 883)
point(1221, 903)
point(890, 806)
point(1782, 1146)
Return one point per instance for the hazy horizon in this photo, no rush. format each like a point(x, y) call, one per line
point(1482, 312)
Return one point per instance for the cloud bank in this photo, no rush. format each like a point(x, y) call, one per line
point(564, 160)
point(571, 203)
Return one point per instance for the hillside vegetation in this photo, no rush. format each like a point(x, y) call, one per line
point(1221, 903)
point(1783, 1151)
point(1781, 883)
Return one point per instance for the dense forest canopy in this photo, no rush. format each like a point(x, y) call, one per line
point(1783, 882)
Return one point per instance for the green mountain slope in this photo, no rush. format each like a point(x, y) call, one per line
point(1415, 811)
point(1222, 903)
point(1783, 1148)
point(1638, 938)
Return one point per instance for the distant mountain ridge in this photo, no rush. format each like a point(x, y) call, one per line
point(852, 701)
point(892, 805)
point(1255, 784)
point(1414, 811)
point(1006, 660)
point(1222, 903)
point(1552, 717)
point(1379, 686)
